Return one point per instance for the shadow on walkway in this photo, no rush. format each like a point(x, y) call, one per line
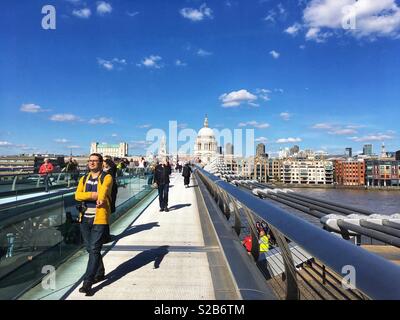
point(133, 230)
point(140, 260)
point(179, 206)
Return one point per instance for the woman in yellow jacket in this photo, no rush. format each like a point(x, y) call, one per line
point(94, 193)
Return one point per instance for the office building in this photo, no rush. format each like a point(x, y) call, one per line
point(367, 150)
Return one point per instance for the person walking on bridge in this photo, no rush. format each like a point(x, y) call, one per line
point(161, 178)
point(94, 193)
point(72, 169)
point(187, 171)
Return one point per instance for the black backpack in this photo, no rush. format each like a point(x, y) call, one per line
point(114, 189)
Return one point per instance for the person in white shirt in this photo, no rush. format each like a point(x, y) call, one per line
point(141, 163)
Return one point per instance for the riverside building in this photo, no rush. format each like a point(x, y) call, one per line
point(308, 171)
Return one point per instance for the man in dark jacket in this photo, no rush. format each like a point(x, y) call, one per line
point(161, 177)
point(186, 174)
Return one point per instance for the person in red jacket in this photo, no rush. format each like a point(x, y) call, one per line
point(263, 238)
point(45, 170)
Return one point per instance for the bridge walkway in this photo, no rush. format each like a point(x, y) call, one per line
point(164, 256)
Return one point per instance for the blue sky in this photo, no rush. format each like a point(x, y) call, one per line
point(111, 70)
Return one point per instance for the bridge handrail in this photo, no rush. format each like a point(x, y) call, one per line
point(21, 202)
point(375, 276)
point(68, 190)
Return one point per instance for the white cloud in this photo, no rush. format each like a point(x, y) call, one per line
point(324, 126)
point(111, 64)
point(101, 120)
point(294, 29)
point(151, 62)
point(338, 129)
point(182, 125)
point(5, 144)
point(203, 53)
point(270, 16)
point(279, 12)
point(66, 117)
point(132, 14)
point(288, 140)
point(254, 124)
point(316, 35)
point(372, 18)
point(356, 126)
point(279, 90)
point(114, 135)
point(343, 132)
point(263, 94)
point(139, 144)
point(274, 54)
point(27, 148)
point(261, 139)
point(105, 64)
point(31, 108)
point(180, 63)
point(61, 140)
point(285, 116)
point(144, 126)
point(197, 14)
point(74, 147)
point(236, 98)
point(372, 137)
point(281, 9)
point(120, 61)
point(103, 8)
point(84, 13)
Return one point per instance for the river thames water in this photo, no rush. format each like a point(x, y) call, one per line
point(382, 202)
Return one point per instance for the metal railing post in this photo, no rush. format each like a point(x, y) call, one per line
point(292, 288)
point(225, 204)
point(238, 222)
point(255, 247)
point(14, 183)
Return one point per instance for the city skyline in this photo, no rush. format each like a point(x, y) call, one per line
point(112, 70)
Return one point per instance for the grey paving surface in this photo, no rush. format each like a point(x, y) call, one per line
point(162, 256)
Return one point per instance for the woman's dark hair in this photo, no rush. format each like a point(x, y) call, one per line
point(113, 167)
point(110, 163)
